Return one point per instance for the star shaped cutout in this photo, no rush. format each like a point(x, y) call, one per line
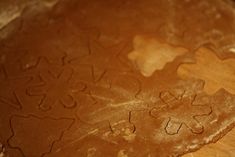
point(102, 60)
point(60, 88)
point(179, 111)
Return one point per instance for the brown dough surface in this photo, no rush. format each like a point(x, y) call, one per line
point(119, 78)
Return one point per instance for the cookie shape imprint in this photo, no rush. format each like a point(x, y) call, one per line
point(56, 89)
point(23, 133)
point(100, 65)
point(188, 118)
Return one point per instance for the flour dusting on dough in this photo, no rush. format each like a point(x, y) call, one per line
point(122, 153)
point(129, 135)
point(9, 15)
point(91, 152)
